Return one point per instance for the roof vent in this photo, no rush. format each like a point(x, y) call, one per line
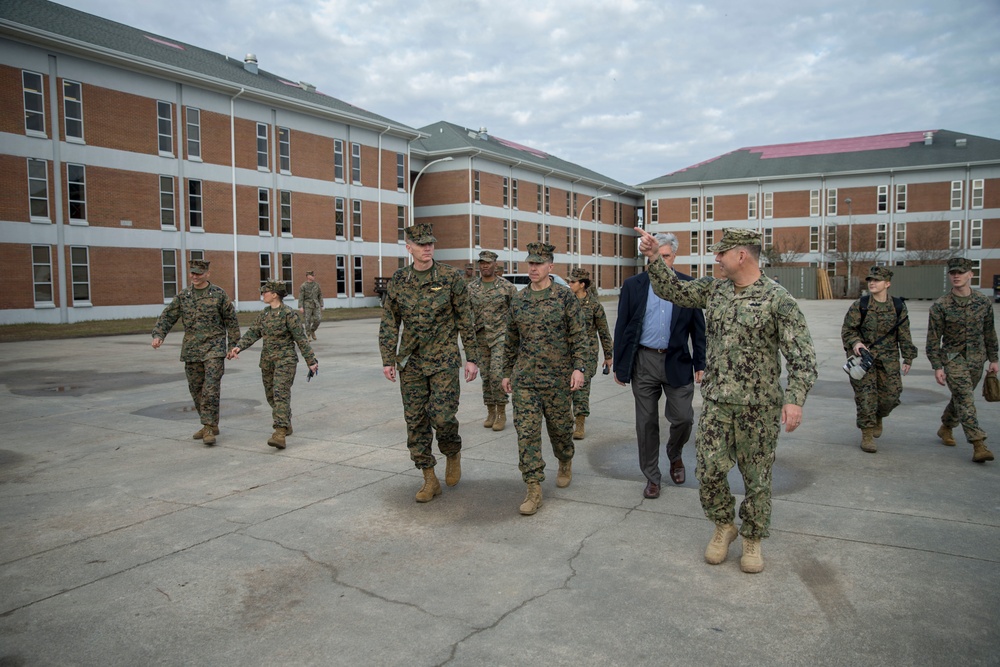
point(961, 143)
point(308, 87)
point(483, 134)
point(250, 63)
point(928, 138)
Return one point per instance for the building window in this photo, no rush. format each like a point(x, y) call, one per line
point(41, 271)
point(768, 205)
point(475, 186)
point(548, 231)
point(882, 201)
point(831, 269)
point(359, 283)
point(694, 209)
point(752, 207)
point(768, 238)
point(263, 211)
point(654, 211)
point(356, 163)
point(548, 200)
point(286, 271)
point(338, 160)
point(881, 231)
point(976, 271)
point(506, 191)
point(168, 262)
point(356, 218)
point(513, 234)
point(694, 243)
point(401, 223)
point(79, 260)
point(600, 244)
point(265, 267)
point(76, 192)
point(476, 231)
point(73, 110)
point(978, 188)
point(262, 150)
point(538, 228)
point(709, 241)
point(193, 133)
point(34, 103)
point(576, 209)
point(400, 172)
point(956, 195)
point(195, 210)
point(831, 201)
point(167, 202)
point(506, 234)
point(286, 214)
point(38, 189)
point(284, 151)
point(901, 197)
point(593, 242)
point(338, 217)
point(513, 193)
point(814, 239)
point(165, 128)
point(341, 275)
point(831, 238)
point(976, 234)
point(570, 240)
point(900, 236)
point(709, 270)
point(813, 203)
point(539, 197)
point(198, 255)
point(955, 235)
point(709, 208)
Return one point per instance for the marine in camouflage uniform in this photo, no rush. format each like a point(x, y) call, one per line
point(749, 320)
point(311, 304)
point(281, 330)
point(209, 320)
point(490, 296)
point(961, 337)
point(596, 322)
point(877, 393)
point(543, 361)
point(429, 302)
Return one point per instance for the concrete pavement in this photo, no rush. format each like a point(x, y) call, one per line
point(125, 542)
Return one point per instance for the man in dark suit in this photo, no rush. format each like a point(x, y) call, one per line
point(652, 352)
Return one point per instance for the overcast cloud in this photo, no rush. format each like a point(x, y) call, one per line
point(633, 89)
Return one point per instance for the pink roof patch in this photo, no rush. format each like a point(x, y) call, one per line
point(850, 145)
point(164, 42)
point(526, 149)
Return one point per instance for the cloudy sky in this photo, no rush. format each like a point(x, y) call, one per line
point(633, 89)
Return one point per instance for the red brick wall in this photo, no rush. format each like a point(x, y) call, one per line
point(442, 187)
point(731, 207)
point(14, 195)
point(12, 101)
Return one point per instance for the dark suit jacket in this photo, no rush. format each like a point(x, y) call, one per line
point(685, 323)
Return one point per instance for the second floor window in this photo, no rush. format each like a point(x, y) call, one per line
point(338, 217)
point(901, 197)
point(286, 213)
point(752, 206)
point(831, 201)
point(813, 203)
point(165, 127)
point(167, 202)
point(400, 171)
point(34, 103)
point(654, 212)
point(356, 163)
point(73, 109)
point(263, 211)
point(882, 203)
point(76, 177)
point(194, 133)
point(956, 195)
point(284, 150)
point(262, 136)
point(195, 219)
point(38, 189)
point(338, 160)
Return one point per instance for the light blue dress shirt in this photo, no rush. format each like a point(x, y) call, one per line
point(656, 322)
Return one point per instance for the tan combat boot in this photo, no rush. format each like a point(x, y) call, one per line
point(718, 548)
point(210, 433)
point(532, 500)
point(752, 560)
point(946, 437)
point(453, 469)
point(979, 452)
point(200, 433)
point(565, 475)
point(431, 487)
point(491, 416)
point(501, 418)
point(867, 443)
point(277, 438)
point(288, 429)
point(877, 431)
point(579, 432)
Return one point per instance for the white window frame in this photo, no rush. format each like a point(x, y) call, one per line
point(263, 147)
point(359, 282)
point(506, 191)
point(356, 227)
point(814, 238)
point(285, 151)
point(768, 205)
point(341, 275)
point(338, 160)
point(264, 262)
point(955, 234)
point(975, 233)
point(513, 193)
point(164, 127)
point(339, 217)
point(901, 197)
point(32, 96)
point(978, 192)
point(35, 198)
point(695, 243)
point(831, 201)
point(814, 203)
point(263, 211)
point(76, 193)
point(881, 235)
point(196, 205)
point(695, 209)
point(400, 172)
point(767, 239)
point(831, 238)
point(752, 206)
point(356, 163)
point(882, 199)
point(286, 271)
point(73, 110)
point(79, 272)
point(709, 208)
point(477, 231)
point(168, 266)
point(401, 223)
point(476, 186)
point(956, 195)
point(900, 236)
point(168, 204)
point(709, 241)
point(977, 271)
point(192, 119)
point(41, 275)
point(654, 211)
point(285, 212)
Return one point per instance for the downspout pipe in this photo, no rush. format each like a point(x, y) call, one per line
point(232, 161)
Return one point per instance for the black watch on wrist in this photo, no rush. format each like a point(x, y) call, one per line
point(582, 370)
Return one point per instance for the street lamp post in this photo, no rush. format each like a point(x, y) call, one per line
point(850, 227)
point(579, 232)
point(413, 188)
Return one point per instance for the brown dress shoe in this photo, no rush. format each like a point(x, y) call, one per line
point(651, 490)
point(677, 471)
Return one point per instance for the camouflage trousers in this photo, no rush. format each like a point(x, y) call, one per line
point(278, 376)
point(745, 436)
point(530, 406)
point(429, 406)
point(962, 377)
point(491, 370)
point(877, 393)
point(581, 397)
point(310, 318)
point(205, 383)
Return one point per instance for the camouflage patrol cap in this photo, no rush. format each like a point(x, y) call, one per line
point(310, 273)
point(488, 256)
point(421, 233)
point(275, 286)
point(735, 237)
point(199, 266)
point(879, 273)
point(540, 252)
point(579, 274)
point(959, 265)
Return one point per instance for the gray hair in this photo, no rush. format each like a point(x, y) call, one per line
point(666, 238)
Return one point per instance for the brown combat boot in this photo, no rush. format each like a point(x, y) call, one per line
point(979, 452)
point(877, 431)
point(579, 432)
point(453, 469)
point(277, 438)
point(501, 418)
point(288, 429)
point(565, 475)
point(491, 416)
point(867, 444)
point(200, 433)
point(718, 548)
point(946, 437)
point(431, 487)
point(532, 500)
point(752, 560)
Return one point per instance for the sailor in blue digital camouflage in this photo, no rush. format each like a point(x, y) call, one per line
point(596, 323)
point(428, 301)
point(961, 337)
point(281, 329)
point(751, 322)
point(880, 325)
point(543, 362)
point(490, 296)
point(210, 325)
point(311, 304)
